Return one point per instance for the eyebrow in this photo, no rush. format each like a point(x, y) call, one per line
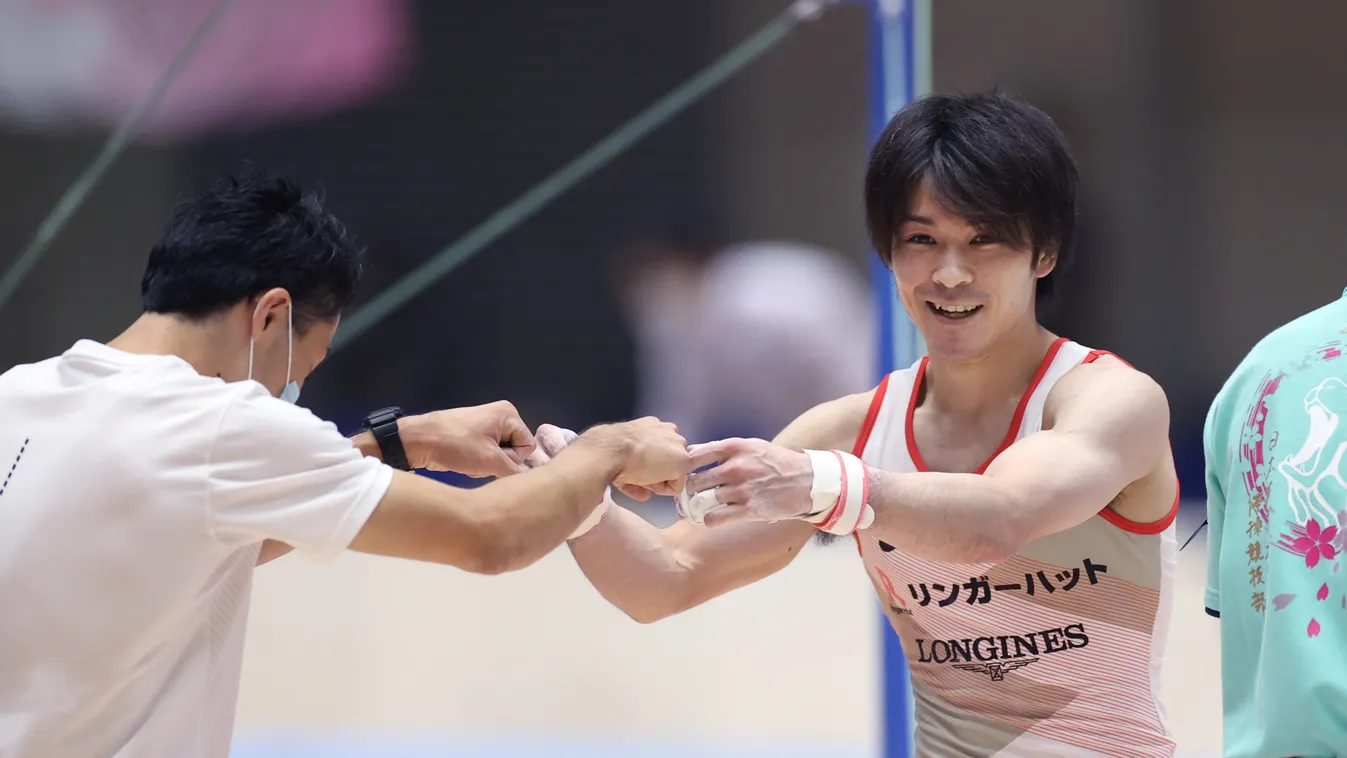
point(916, 220)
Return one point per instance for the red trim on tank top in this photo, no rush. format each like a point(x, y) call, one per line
point(1136, 527)
point(862, 439)
point(1015, 420)
point(871, 415)
point(1112, 516)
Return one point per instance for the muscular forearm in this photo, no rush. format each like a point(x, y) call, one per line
point(652, 573)
point(502, 526)
point(958, 518)
point(525, 517)
point(634, 565)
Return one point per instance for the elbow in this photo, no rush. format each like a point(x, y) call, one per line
point(490, 563)
point(678, 591)
point(1006, 527)
point(992, 541)
point(499, 551)
point(486, 560)
point(649, 615)
point(649, 604)
point(999, 542)
point(642, 616)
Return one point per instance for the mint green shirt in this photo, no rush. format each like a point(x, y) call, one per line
point(1276, 452)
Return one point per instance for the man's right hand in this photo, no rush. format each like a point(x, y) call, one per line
point(480, 441)
point(656, 457)
point(516, 520)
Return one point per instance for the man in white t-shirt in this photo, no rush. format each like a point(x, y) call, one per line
point(144, 479)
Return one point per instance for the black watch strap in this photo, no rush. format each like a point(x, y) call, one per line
point(383, 424)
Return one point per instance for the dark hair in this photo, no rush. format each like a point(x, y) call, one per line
point(244, 237)
point(997, 162)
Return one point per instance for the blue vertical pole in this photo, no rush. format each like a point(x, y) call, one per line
point(899, 71)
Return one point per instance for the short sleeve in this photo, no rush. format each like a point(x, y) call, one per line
point(1214, 452)
point(277, 471)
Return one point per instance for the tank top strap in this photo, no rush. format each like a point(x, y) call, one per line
point(1068, 355)
point(882, 441)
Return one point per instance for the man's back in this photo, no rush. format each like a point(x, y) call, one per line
point(1277, 491)
point(130, 521)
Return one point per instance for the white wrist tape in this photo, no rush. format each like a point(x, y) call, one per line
point(595, 516)
point(840, 490)
point(694, 507)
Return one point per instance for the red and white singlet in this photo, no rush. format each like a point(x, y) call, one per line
point(1055, 652)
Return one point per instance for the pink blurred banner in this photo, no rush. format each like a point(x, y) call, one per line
point(88, 63)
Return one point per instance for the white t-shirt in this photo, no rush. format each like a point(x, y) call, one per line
point(134, 497)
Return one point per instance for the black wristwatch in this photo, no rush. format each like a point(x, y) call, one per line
point(383, 424)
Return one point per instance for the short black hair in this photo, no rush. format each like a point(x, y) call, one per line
point(245, 236)
point(992, 159)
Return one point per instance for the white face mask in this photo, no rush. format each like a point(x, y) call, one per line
point(290, 393)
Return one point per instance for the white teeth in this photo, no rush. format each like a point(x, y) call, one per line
point(955, 308)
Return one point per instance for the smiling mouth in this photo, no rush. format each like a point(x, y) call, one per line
point(953, 312)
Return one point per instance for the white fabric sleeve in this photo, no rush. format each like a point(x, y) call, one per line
point(277, 471)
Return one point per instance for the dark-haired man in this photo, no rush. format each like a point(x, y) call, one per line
point(1012, 495)
point(145, 478)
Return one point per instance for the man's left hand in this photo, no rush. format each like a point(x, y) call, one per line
point(480, 441)
point(754, 480)
point(553, 439)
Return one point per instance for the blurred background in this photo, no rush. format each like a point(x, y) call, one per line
point(703, 276)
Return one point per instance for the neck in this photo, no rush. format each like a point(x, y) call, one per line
point(971, 387)
point(197, 342)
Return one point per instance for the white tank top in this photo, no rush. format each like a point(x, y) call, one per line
point(1055, 652)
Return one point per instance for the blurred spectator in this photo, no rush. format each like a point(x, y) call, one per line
point(739, 340)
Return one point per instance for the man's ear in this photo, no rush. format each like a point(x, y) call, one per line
point(270, 308)
point(1044, 262)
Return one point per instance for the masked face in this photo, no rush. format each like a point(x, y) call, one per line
point(290, 393)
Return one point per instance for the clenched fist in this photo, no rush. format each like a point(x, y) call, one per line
point(658, 460)
point(479, 441)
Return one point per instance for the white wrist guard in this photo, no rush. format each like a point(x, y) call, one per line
point(595, 516)
point(840, 490)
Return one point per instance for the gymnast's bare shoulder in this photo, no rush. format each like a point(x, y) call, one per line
point(833, 425)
